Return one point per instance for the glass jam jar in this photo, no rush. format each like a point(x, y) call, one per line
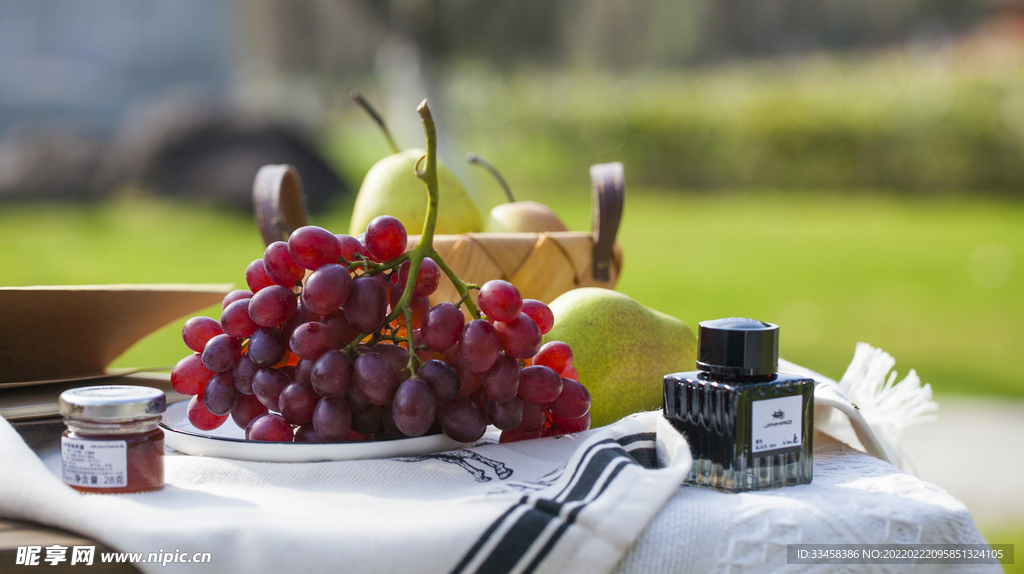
point(113, 444)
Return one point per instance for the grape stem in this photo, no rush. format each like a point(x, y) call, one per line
point(425, 247)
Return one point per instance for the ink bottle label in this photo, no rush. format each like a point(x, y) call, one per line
point(775, 424)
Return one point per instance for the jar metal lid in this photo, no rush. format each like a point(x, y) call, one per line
point(112, 403)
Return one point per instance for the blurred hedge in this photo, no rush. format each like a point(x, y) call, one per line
point(901, 121)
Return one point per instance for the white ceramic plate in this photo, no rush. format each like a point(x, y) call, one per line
point(228, 441)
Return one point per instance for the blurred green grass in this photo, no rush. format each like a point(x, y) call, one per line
point(936, 282)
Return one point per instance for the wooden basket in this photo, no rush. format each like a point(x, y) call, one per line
point(541, 265)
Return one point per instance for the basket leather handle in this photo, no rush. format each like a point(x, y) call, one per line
point(278, 202)
point(609, 182)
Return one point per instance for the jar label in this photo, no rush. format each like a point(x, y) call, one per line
point(776, 423)
point(94, 463)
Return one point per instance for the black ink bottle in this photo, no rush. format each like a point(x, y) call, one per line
point(749, 426)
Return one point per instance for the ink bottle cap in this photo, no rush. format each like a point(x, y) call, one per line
point(738, 347)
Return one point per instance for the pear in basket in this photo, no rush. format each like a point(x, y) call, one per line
point(517, 216)
point(392, 188)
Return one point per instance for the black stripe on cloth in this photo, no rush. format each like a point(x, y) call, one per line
point(529, 527)
point(645, 457)
point(639, 437)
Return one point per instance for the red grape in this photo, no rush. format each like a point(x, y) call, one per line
point(235, 296)
point(571, 373)
point(462, 420)
point(478, 345)
point(442, 326)
point(267, 347)
point(539, 384)
point(500, 300)
point(326, 289)
point(221, 395)
point(571, 425)
point(554, 354)
point(427, 279)
point(198, 330)
point(268, 384)
point(376, 378)
point(540, 313)
point(297, 402)
point(312, 246)
point(573, 402)
point(519, 337)
point(349, 247)
point(244, 371)
point(201, 418)
point(247, 408)
point(396, 355)
point(413, 407)
point(189, 376)
point(269, 428)
point(221, 352)
point(256, 276)
point(280, 267)
point(304, 370)
point(331, 373)
point(367, 304)
point(236, 320)
point(385, 238)
point(310, 340)
point(442, 378)
point(332, 419)
point(272, 306)
point(505, 416)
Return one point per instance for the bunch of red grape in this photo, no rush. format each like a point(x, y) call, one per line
point(308, 354)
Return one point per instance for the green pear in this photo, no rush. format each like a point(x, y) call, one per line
point(391, 187)
point(622, 349)
point(523, 217)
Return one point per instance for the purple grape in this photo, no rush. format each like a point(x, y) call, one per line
point(367, 304)
point(505, 416)
point(442, 326)
point(478, 345)
point(462, 419)
point(310, 340)
point(367, 421)
point(332, 419)
point(198, 330)
point(302, 315)
point(268, 384)
point(376, 378)
point(501, 381)
point(270, 428)
point(413, 407)
point(573, 402)
point(357, 401)
point(236, 321)
point(247, 408)
point(396, 355)
point(272, 306)
point(306, 433)
point(221, 396)
point(244, 371)
point(539, 384)
point(297, 402)
point(326, 289)
point(442, 378)
point(221, 352)
point(534, 416)
point(304, 370)
point(331, 373)
point(426, 280)
point(267, 346)
point(339, 324)
point(388, 429)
